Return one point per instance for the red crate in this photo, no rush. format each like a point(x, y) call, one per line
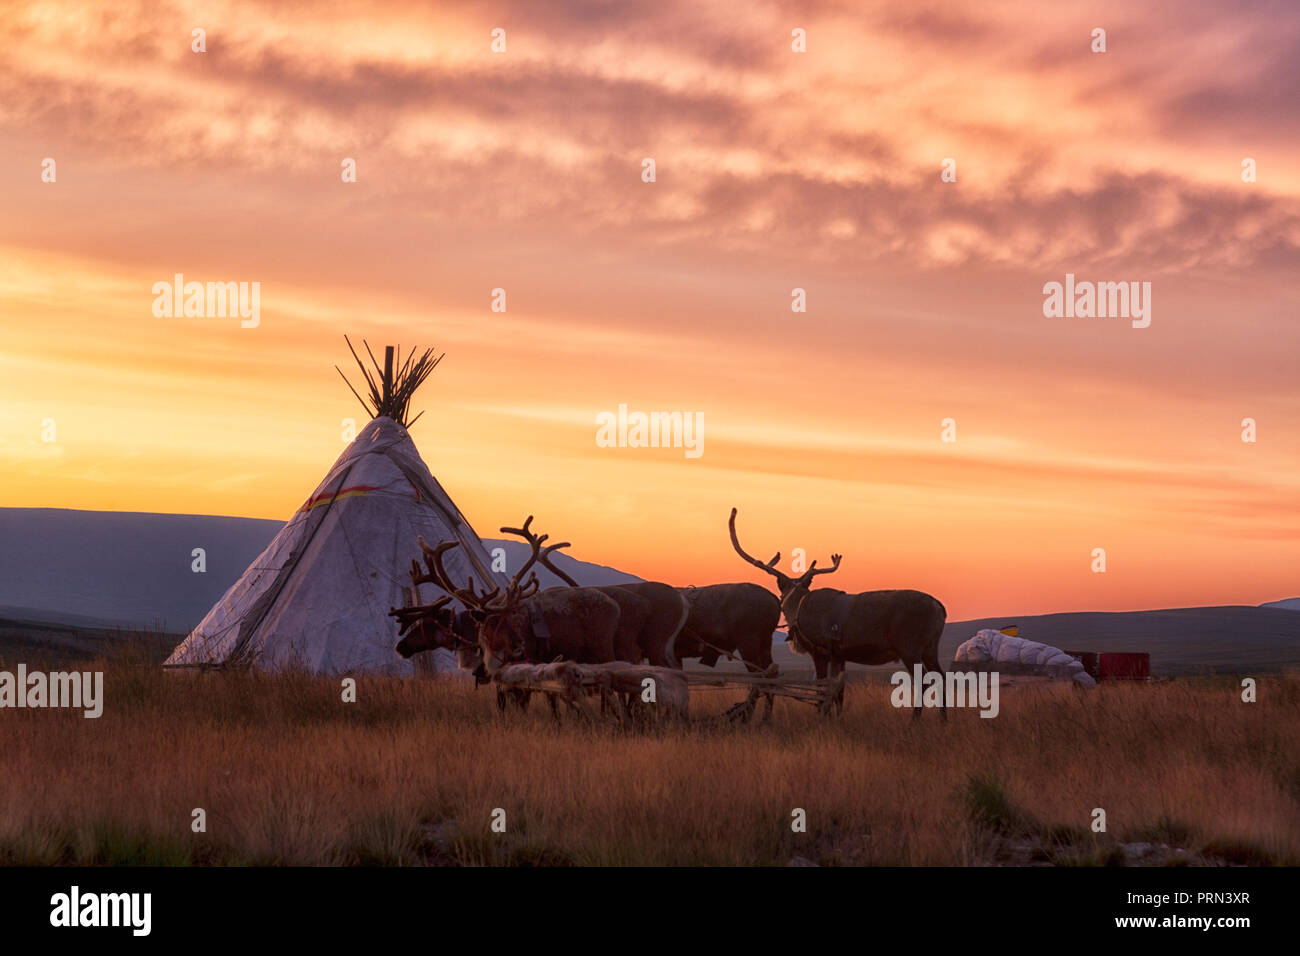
point(1125, 666)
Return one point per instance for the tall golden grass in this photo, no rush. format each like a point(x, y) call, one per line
point(411, 774)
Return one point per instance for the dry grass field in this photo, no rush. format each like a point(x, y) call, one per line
point(411, 774)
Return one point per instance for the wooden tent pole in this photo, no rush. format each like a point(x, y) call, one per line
point(388, 374)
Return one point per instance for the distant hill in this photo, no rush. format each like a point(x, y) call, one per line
point(121, 567)
point(1181, 641)
point(1189, 640)
point(1290, 604)
point(86, 570)
point(106, 568)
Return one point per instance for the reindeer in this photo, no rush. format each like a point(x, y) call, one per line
point(729, 619)
point(651, 615)
point(577, 624)
point(654, 634)
point(425, 627)
point(874, 627)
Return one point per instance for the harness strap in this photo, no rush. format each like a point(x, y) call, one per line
point(792, 620)
point(792, 625)
point(729, 655)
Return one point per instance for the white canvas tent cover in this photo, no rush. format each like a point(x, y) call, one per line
point(318, 597)
point(993, 646)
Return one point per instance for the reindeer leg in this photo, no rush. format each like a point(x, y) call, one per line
point(920, 692)
point(759, 664)
point(820, 663)
point(834, 671)
point(931, 663)
point(770, 699)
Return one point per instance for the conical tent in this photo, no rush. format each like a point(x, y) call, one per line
point(318, 597)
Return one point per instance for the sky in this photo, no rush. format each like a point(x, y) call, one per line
point(522, 169)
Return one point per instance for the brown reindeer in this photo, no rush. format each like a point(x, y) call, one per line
point(874, 627)
point(652, 614)
point(732, 620)
point(729, 619)
point(576, 624)
point(424, 627)
point(429, 626)
point(669, 612)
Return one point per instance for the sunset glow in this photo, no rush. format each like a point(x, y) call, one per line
point(776, 170)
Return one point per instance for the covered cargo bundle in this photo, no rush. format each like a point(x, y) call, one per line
point(990, 646)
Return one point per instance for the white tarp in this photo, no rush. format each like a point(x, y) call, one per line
point(318, 597)
point(995, 647)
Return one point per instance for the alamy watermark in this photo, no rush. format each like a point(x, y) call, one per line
point(624, 429)
point(1098, 300)
point(212, 300)
point(83, 690)
point(953, 689)
point(75, 908)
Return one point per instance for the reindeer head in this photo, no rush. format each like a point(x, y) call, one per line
point(446, 628)
point(501, 635)
point(494, 628)
point(502, 619)
point(791, 589)
point(428, 626)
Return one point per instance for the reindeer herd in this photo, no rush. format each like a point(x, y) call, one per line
point(660, 624)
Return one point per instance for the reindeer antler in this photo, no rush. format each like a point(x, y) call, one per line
point(437, 574)
point(407, 617)
point(545, 559)
point(541, 555)
point(472, 598)
point(512, 596)
point(770, 567)
point(813, 570)
point(534, 540)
